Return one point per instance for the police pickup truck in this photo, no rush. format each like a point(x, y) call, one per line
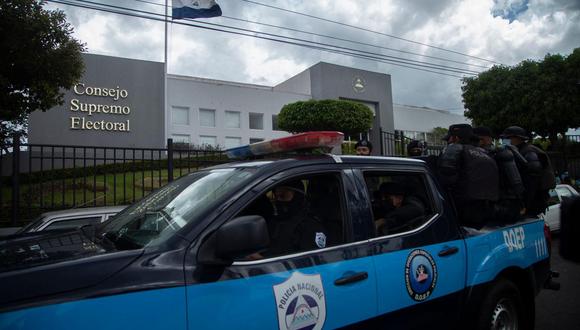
point(295, 243)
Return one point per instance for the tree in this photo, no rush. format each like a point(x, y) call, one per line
point(39, 60)
point(325, 115)
point(437, 134)
point(541, 96)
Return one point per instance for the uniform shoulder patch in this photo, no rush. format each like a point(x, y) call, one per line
point(320, 240)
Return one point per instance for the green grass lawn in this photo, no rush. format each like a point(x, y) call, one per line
point(107, 189)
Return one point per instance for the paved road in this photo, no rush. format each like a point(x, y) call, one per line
point(560, 310)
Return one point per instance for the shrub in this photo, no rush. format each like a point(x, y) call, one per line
point(325, 115)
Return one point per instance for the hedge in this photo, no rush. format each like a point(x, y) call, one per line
point(325, 115)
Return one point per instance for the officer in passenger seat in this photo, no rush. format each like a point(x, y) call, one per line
point(403, 210)
point(291, 229)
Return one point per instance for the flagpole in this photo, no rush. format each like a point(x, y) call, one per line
point(165, 57)
point(165, 73)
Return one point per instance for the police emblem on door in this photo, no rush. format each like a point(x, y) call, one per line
point(300, 302)
point(420, 275)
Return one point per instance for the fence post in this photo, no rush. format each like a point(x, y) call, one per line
point(169, 160)
point(381, 142)
point(15, 178)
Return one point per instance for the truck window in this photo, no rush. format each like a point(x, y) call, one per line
point(73, 222)
point(400, 201)
point(303, 214)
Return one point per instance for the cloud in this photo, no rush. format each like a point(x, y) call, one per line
point(507, 31)
point(509, 9)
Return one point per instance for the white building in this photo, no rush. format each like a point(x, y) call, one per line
point(203, 111)
point(417, 122)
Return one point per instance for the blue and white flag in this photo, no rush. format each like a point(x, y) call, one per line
point(195, 9)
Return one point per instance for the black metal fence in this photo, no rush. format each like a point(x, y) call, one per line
point(395, 144)
point(39, 178)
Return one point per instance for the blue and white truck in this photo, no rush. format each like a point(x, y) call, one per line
point(198, 254)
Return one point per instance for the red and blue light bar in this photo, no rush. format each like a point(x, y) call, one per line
point(307, 140)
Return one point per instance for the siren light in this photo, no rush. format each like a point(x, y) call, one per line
point(307, 140)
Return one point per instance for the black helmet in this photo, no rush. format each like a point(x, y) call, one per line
point(392, 188)
point(364, 143)
point(482, 131)
point(515, 131)
point(462, 131)
point(416, 147)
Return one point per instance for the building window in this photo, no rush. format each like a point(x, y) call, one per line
point(256, 120)
point(180, 115)
point(206, 118)
point(181, 138)
point(255, 140)
point(233, 119)
point(275, 123)
point(206, 140)
point(232, 142)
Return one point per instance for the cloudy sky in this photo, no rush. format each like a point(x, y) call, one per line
point(504, 31)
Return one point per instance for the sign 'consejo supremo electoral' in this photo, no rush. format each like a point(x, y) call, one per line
point(88, 110)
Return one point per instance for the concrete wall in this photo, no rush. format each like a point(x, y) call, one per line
point(420, 119)
point(141, 126)
point(331, 81)
point(300, 83)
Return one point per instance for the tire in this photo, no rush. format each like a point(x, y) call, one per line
point(502, 308)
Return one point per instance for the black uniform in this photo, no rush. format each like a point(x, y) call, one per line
point(396, 219)
point(472, 178)
point(293, 230)
point(538, 178)
point(511, 186)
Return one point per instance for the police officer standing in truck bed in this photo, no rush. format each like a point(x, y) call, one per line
point(470, 176)
point(511, 187)
point(537, 174)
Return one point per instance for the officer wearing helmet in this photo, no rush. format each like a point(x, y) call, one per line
point(363, 148)
point(399, 208)
point(416, 148)
point(511, 188)
point(470, 175)
point(537, 174)
point(292, 229)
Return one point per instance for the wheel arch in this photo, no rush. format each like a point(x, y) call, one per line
point(522, 278)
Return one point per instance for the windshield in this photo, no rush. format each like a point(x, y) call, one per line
point(159, 215)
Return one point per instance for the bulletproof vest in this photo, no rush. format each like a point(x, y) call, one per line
point(547, 178)
point(479, 177)
point(469, 173)
point(510, 180)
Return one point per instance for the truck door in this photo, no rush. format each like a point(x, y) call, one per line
point(312, 276)
point(419, 257)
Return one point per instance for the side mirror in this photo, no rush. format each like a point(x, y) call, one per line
point(570, 228)
point(237, 238)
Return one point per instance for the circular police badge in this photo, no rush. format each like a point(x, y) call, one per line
point(300, 302)
point(420, 275)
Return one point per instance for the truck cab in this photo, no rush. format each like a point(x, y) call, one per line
point(307, 242)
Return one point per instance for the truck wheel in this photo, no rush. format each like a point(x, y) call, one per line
point(502, 308)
